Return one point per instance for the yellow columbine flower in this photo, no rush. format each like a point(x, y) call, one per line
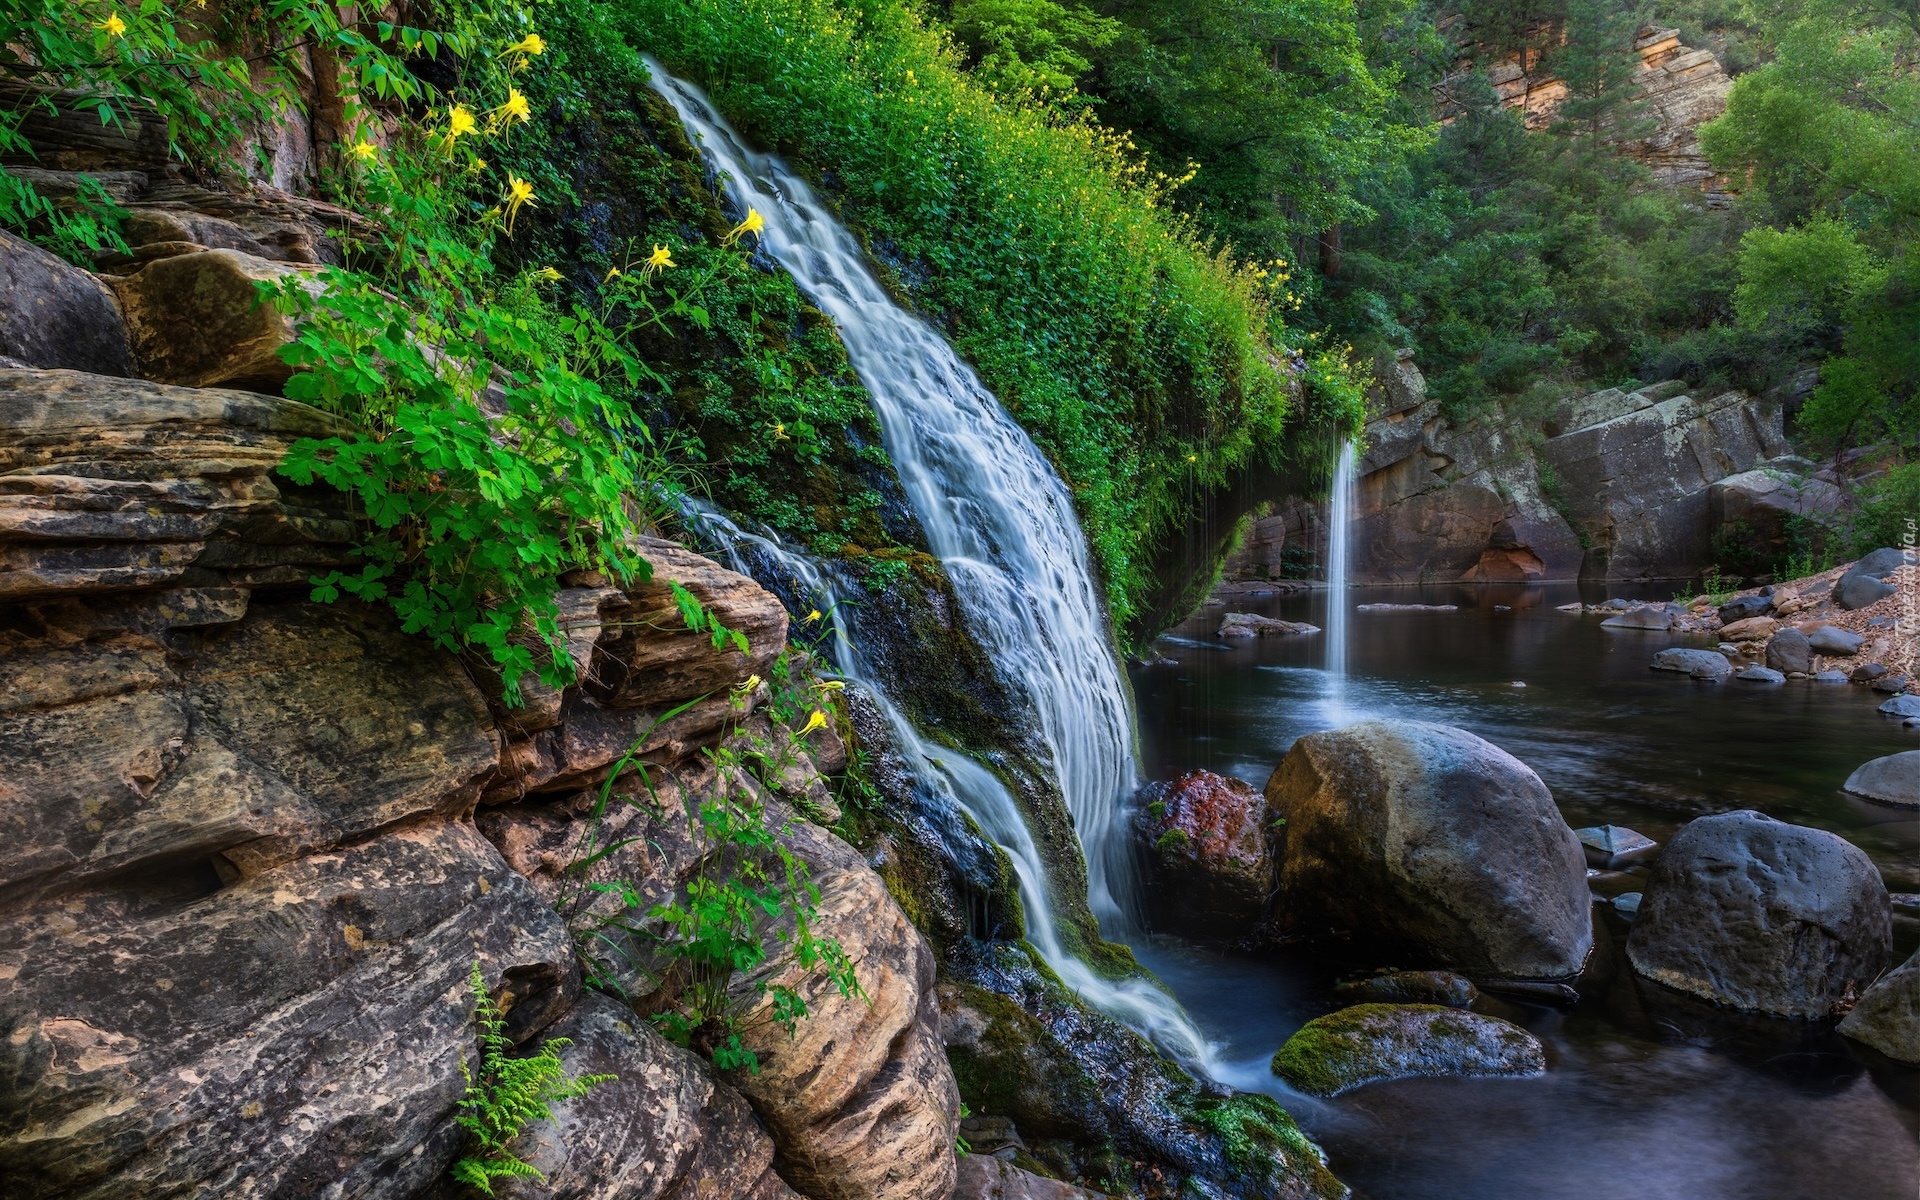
point(532, 44)
point(779, 429)
point(817, 721)
point(753, 224)
point(364, 150)
point(547, 273)
point(661, 257)
point(515, 109)
point(113, 26)
point(460, 122)
point(830, 685)
point(753, 681)
point(519, 195)
point(813, 616)
point(613, 273)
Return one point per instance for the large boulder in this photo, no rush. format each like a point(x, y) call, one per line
point(1760, 509)
point(1888, 1014)
point(1869, 581)
point(1434, 840)
point(1207, 843)
point(1647, 617)
point(1741, 608)
point(1763, 916)
point(1700, 664)
point(1373, 1043)
point(1894, 779)
point(1790, 651)
point(1835, 642)
point(56, 315)
point(199, 320)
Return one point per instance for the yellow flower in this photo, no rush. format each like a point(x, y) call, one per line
point(547, 273)
point(519, 195)
point(661, 257)
point(613, 273)
point(460, 122)
point(753, 681)
point(753, 224)
point(515, 109)
point(817, 721)
point(779, 429)
point(113, 26)
point(532, 44)
point(830, 685)
point(476, 166)
point(813, 616)
point(364, 150)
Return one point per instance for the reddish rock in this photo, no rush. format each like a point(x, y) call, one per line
point(1208, 843)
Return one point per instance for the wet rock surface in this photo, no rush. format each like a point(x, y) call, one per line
point(1699, 664)
point(1374, 1043)
point(1443, 988)
point(983, 1177)
point(58, 316)
point(1763, 916)
point(1893, 779)
point(1207, 842)
point(1249, 625)
point(1434, 840)
point(1888, 1014)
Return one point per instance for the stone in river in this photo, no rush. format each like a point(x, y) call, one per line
point(1613, 846)
point(1640, 618)
point(1741, 607)
point(1759, 674)
point(1372, 1043)
point(1790, 651)
point(1246, 625)
point(1206, 844)
point(1867, 672)
point(1762, 916)
point(1376, 608)
point(1835, 642)
point(1902, 706)
point(1410, 987)
point(1894, 779)
point(1627, 904)
point(1888, 1015)
point(1434, 842)
point(1830, 677)
point(1893, 685)
point(1701, 664)
point(1908, 902)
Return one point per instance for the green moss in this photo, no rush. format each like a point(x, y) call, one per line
point(1261, 1140)
point(1317, 1059)
point(1172, 839)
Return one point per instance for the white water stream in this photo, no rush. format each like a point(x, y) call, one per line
point(1002, 524)
point(1341, 502)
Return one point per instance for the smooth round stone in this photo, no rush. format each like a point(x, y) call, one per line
point(1701, 664)
point(1759, 674)
point(1830, 677)
point(1867, 673)
point(1372, 1043)
point(1902, 706)
point(1894, 779)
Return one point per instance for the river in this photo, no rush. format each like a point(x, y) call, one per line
point(1643, 1098)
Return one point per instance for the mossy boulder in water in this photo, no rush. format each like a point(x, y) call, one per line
point(1372, 1043)
point(1431, 842)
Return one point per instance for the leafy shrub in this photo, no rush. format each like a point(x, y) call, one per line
point(504, 1095)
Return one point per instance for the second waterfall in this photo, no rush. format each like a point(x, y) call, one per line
point(1002, 524)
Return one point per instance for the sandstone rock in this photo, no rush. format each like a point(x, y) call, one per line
point(1372, 1043)
point(1894, 779)
point(1700, 664)
point(1638, 482)
point(1759, 674)
point(1789, 651)
point(1207, 842)
point(1640, 618)
point(109, 484)
point(1443, 988)
point(1432, 839)
point(1247, 625)
point(1835, 642)
point(296, 1033)
point(1751, 629)
point(983, 1177)
point(1762, 916)
point(665, 1129)
point(1888, 1014)
point(1742, 607)
point(198, 320)
point(55, 315)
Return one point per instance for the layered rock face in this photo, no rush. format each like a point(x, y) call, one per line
point(242, 885)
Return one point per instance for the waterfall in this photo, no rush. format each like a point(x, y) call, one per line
point(1341, 502)
point(1002, 523)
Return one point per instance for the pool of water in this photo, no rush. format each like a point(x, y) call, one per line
point(1644, 1097)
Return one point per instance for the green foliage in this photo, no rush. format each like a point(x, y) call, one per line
point(749, 895)
point(1140, 359)
point(1889, 506)
point(505, 1095)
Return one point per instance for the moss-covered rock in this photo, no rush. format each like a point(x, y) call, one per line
point(1372, 1043)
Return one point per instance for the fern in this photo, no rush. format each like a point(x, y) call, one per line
point(507, 1094)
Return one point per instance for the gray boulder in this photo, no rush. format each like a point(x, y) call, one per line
point(1640, 618)
point(54, 315)
point(1789, 651)
point(1902, 706)
point(1741, 607)
point(984, 1177)
point(1372, 1043)
point(1759, 674)
point(1892, 685)
point(1835, 642)
point(1610, 847)
point(1430, 839)
point(1700, 664)
point(1866, 673)
point(1867, 582)
point(1829, 676)
point(1888, 1015)
point(1410, 987)
point(1763, 916)
point(1894, 779)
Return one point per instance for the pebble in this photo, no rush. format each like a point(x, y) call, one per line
point(1518, 683)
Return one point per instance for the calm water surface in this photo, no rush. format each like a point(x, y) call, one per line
point(1645, 1098)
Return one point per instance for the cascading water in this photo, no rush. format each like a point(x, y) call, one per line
point(1002, 523)
point(1341, 501)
